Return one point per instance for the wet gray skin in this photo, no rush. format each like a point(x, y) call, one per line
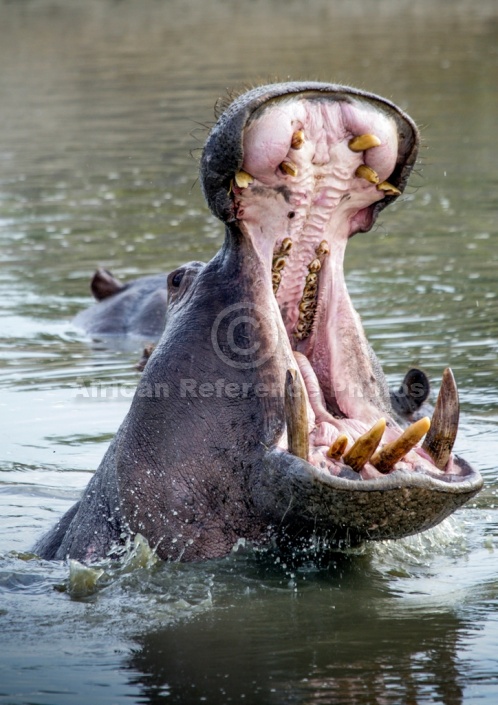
point(137, 308)
point(263, 368)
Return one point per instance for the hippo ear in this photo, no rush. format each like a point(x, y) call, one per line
point(104, 284)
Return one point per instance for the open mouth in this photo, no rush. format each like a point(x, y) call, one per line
point(315, 168)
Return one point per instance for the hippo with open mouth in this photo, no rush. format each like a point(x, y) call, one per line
point(263, 413)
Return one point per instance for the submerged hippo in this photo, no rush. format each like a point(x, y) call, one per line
point(263, 412)
point(135, 308)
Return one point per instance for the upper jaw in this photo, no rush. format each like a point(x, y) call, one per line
point(223, 154)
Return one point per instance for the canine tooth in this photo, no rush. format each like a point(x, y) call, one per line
point(243, 179)
point(367, 173)
point(362, 142)
point(289, 168)
point(296, 416)
point(338, 447)
point(297, 139)
point(388, 189)
point(444, 425)
point(388, 456)
point(323, 248)
point(364, 446)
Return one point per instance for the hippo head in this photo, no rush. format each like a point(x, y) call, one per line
point(263, 412)
point(295, 170)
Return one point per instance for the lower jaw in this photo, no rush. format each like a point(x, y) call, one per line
point(353, 447)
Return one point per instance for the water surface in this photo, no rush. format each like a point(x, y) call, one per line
point(103, 109)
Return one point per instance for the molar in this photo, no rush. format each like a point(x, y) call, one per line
point(307, 305)
point(278, 262)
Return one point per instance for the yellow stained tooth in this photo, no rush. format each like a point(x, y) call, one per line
point(286, 246)
point(306, 304)
point(338, 447)
point(243, 179)
point(278, 264)
point(297, 139)
point(314, 266)
point(296, 415)
point(323, 248)
point(365, 446)
point(385, 459)
point(367, 173)
point(441, 437)
point(289, 168)
point(362, 142)
point(388, 189)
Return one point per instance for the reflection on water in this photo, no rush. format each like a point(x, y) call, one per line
point(103, 108)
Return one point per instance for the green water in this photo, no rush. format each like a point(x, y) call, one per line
point(104, 107)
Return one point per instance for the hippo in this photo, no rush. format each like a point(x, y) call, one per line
point(136, 308)
point(263, 414)
point(139, 308)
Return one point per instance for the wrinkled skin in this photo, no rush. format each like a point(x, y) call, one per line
point(202, 459)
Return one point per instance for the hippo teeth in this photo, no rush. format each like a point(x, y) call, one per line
point(388, 189)
point(289, 168)
point(365, 446)
point(441, 437)
point(338, 447)
point(385, 459)
point(367, 173)
point(308, 303)
point(243, 179)
point(297, 141)
point(296, 415)
point(360, 143)
point(279, 262)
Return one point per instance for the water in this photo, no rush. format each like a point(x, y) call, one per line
point(103, 108)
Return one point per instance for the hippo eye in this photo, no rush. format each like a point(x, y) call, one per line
point(177, 278)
